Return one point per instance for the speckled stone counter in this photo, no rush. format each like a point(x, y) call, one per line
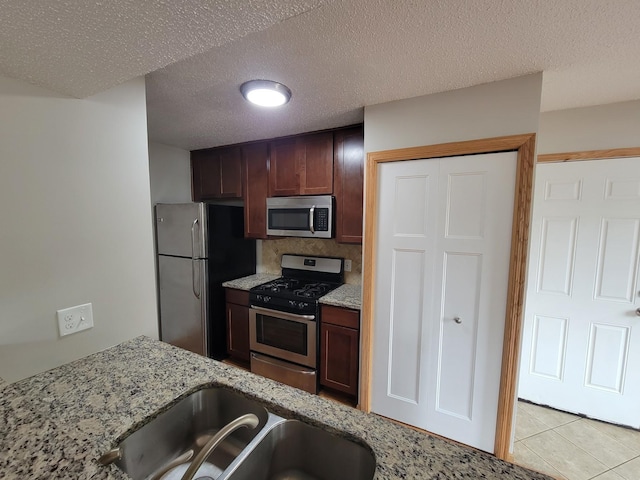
point(56, 424)
point(347, 296)
point(247, 283)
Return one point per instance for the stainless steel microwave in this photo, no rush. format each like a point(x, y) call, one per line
point(310, 217)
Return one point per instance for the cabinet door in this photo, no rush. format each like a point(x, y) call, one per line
point(316, 164)
point(255, 159)
point(283, 168)
point(238, 331)
point(230, 173)
point(339, 358)
point(205, 175)
point(348, 184)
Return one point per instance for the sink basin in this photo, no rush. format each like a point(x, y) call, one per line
point(293, 450)
point(189, 425)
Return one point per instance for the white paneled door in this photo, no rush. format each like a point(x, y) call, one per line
point(444, 238)
point(581, 343)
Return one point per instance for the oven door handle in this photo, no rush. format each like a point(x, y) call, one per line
point(280, 314)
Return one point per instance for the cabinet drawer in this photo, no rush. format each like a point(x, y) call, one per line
point(342, 317)
point(239, 297)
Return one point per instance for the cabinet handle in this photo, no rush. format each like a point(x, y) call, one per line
point(458, 320)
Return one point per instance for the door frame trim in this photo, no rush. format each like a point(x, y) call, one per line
point(589, 155)
point(524, 145)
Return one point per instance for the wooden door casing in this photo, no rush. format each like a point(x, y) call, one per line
point(524, 145)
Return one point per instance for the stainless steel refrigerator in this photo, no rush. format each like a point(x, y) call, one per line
point(199, 246)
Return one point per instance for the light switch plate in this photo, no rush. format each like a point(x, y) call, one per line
point(347, 265)
point(75, 319)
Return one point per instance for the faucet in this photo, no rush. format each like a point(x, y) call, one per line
point(247, 420)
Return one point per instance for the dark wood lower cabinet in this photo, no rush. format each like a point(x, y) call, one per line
point(339, 349)
point(238, 324)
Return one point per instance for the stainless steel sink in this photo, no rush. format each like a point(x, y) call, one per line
point(186, 426)
point(293, 450)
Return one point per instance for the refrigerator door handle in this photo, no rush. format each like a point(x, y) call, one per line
point(196, 292)
point(193, 238)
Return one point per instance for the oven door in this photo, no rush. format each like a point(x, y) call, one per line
point(283, 335)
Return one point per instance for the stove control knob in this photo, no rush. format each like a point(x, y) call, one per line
point(267, 299)
point(292, 303)
point(303, 304)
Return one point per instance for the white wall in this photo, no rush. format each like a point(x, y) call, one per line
point(75, 216)
point(616, 125)
point(170, 173)
point(495, 109)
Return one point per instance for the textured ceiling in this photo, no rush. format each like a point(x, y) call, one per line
point(336, 55)
point(81, 47)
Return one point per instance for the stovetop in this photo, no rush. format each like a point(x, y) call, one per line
point(291, 294)
point(294, 287)
point(304, 280)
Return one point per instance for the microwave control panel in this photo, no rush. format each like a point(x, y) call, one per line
point(321, 219)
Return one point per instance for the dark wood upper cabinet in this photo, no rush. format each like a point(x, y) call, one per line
point(216, 173)
point(301, 165)
point(348, 182)
point(283, 168)
point(316, 164)
point(255, 158)
point(324, 163)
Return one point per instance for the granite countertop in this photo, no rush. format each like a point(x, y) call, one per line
point(56, 424)
point(247, 283)
point(347, 296)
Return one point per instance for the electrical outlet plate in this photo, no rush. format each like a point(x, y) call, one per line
point(347, 265)
point(75, 319)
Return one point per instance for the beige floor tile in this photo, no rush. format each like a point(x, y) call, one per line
point(570, 460)
point(522, 406)
point(549, 416)
point(610, 475)
point(629, 470)
point(527, 425)
point(604, 448)
point(628, 437)
point(522, 455)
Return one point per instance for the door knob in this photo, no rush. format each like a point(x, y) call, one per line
point(638, 312)
point(459, 320)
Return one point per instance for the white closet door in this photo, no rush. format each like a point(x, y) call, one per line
point(444, 236)
point(581, 344)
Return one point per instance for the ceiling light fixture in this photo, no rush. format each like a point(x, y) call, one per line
point(265, 93)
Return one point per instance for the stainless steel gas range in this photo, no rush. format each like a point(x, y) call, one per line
point(283, 319)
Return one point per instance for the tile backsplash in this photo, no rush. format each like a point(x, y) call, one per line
point(272, 251)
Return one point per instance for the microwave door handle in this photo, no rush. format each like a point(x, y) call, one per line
point(311, 214)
